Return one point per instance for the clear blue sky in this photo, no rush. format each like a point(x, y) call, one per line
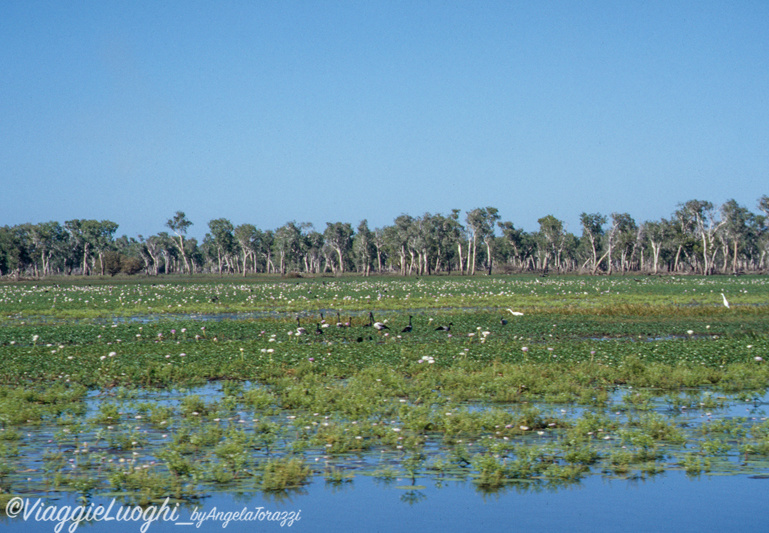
point(270, 111)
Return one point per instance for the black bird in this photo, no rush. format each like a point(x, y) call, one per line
point(503, 321)
point(408, 328)
point(444, 328)
point(379, 326)
point(318, 331)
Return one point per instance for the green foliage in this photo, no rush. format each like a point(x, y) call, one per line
point(145, 485)
point(610, 382)
point(283, 473)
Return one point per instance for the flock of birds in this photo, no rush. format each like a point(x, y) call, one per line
point(381, 326)
point(377, 325)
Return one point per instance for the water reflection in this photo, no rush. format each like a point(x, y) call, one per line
point(669, 502)
point(413, 496)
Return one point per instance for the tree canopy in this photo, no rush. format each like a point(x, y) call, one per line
point(699, 237)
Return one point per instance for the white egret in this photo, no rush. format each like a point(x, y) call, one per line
point(515, 313)
point(726, 302)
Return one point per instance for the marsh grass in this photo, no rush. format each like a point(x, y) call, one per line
point(599, 376)
point(338, 476)
point(282, 474)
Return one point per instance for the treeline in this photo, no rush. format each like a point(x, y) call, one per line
point(699, 237)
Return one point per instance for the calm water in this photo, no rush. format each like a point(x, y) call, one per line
point(671, 501)
point(668, 502)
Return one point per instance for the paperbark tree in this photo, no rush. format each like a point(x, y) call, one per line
point(179, 225)
point(592, 231)
point(339, 236)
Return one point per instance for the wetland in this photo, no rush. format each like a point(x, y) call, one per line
point(282, 391)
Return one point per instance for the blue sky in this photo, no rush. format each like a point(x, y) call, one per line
point(270, 111)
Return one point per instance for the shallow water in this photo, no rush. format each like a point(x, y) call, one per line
point(667, 502)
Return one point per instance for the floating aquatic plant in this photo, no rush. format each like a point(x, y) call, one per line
point(597, 377)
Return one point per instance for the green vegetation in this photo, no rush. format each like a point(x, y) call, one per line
point(152, 390)
point(699, 237)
